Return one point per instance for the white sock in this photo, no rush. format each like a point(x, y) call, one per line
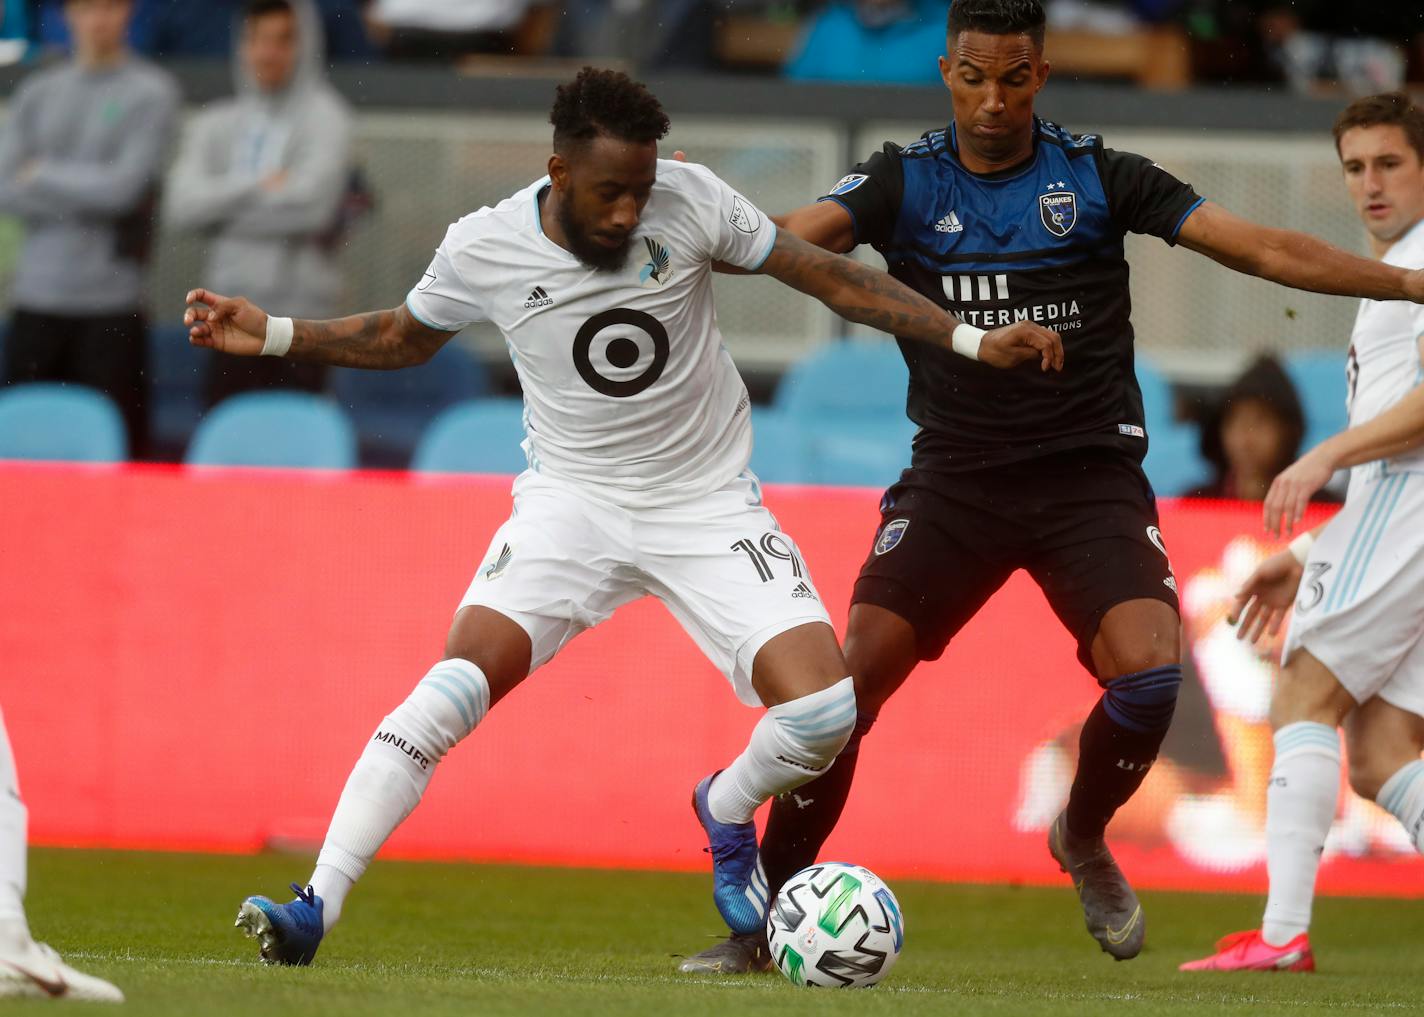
point(792, 743)
point(388, 780)
point(1300, 806)
point(1402, 796)
point(14, 821)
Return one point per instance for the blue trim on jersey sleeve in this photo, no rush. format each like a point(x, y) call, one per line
point(1182, 221)
point(538, 190)
point(767, 253)
point(854, 223)
point(428, 324)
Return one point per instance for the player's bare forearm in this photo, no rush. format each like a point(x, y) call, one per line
point(377, 340)
point(1294, 259)
point(857, 292)
point(1394, 432)
point(380, 340)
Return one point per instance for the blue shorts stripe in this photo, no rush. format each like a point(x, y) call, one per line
point(1400, 482)
point(1350, 549)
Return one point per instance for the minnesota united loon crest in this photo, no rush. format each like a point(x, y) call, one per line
point(658, 269)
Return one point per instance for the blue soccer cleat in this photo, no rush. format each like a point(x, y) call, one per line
point(738, 882)
point(285, 933)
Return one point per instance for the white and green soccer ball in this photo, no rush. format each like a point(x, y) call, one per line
point(835, 925)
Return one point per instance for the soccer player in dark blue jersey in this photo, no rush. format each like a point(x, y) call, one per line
point(1003, 217)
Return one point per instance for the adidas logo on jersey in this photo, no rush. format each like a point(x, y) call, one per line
point(538, 298)
point(803, 591)
point(949, 224)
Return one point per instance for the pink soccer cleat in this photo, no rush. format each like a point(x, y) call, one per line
point(1247, 951)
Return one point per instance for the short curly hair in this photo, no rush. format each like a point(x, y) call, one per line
point(998, 17)
point(605, 102)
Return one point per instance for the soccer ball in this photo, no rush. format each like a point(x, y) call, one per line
point(835, 925)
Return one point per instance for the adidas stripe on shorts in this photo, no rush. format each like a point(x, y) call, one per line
point(565, 560)
point(1360, 609)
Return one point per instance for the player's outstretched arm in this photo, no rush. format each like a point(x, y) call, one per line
point(1294, 259)
point(1397, 430)
point(862, 294)
point(379, 340)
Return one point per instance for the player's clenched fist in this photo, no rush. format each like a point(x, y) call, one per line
point(1022, 341)
point(226, 324)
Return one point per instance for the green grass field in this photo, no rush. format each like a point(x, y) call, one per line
point(462, 939)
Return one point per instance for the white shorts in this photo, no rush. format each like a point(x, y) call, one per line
point(1360, 610)
point(564, 561)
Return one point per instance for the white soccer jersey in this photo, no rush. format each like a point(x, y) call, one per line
point(627, 387)
point(1387, 348)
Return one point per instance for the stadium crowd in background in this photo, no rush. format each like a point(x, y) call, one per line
point(263, 176)
point(1308, 45)
point(1252, 434)
point(81, 155)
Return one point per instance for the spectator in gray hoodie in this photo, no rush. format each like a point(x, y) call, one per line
point(262, 177)
point(80, 158)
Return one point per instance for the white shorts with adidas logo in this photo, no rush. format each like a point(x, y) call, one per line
point(1360, 609)
point(564, 561)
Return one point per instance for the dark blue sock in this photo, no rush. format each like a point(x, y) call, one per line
point(1119, 744)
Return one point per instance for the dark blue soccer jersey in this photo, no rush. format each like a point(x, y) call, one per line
point(1042, 241)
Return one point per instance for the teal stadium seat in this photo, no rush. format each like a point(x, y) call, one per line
point(781, 451)
point(393, 409)
point(848, 400)
point(1319, 380)
point(478, 436)
point(293, 429)
point(41, 420)
point(1174, 462)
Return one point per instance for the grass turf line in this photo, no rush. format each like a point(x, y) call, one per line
point(435, 939)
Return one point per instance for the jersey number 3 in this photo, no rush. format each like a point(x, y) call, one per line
point(611, 345)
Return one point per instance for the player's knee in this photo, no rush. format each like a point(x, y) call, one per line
point(1144, 701)
point(445, 707)
point(1136, 637)
point(813, 729)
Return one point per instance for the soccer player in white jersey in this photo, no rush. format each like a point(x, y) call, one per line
point(29, 969)
point(1354, 653)
point(599, 276)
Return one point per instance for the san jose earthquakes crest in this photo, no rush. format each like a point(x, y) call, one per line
point(1059, 211)
point(891, 535)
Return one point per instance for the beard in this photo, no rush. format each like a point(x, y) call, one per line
point(587, 250)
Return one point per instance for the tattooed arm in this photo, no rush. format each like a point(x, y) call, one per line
point(380, 340)
point(868, 296)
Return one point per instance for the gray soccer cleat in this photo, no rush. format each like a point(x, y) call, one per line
point(736, 955)
point(1110, 908)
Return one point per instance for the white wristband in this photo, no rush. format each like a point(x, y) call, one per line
point(1300, 546)
point(279, 337)
point(965, 340)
